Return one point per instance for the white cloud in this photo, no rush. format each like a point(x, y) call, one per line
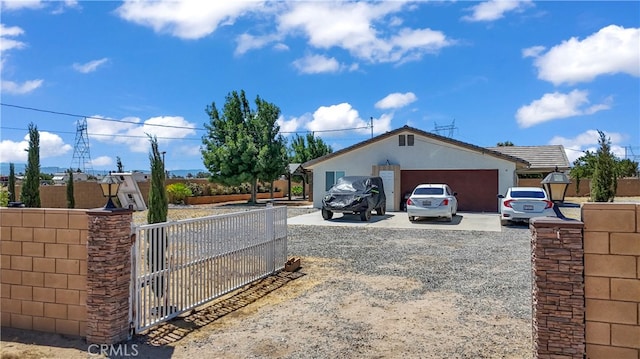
point(102, 161)
point(533, 51)
point(186, 19)
point(21, 4)
point(611, 50)
point(51, 145)
point(495, 9)
point(396, 100)
point(588, 141)
point(293, 124)
point(314, 64)
point(345, 117)
point(90, 66)
point(358, 29)
point(20, 89)
point(553, 106)
point(247, 42)
point(7, 43)
point(133, 132)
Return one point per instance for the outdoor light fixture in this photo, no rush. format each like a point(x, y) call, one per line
point(556, 184)
point(110, 185)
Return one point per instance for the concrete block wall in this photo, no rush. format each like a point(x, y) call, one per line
point(612, 279)
point(44, 269)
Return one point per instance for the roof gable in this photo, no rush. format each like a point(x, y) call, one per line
point(519, 161)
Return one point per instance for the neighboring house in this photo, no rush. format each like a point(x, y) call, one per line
point(63, 177)
point(542, 159)
point(407, 156)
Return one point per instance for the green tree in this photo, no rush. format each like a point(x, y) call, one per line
point(30, 193)
point(505, 144)
point(309, 147)
point(71, 201)
point(242, 145)
point(603, 183)
point(627, 168)
point(119, 164)
point(12, 182)
point(158, 204)
point(583, 167)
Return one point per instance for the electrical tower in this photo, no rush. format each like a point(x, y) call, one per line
point(81, 156)
point(438, 129)
point(629, 153)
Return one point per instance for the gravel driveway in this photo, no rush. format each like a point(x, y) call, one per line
point(376, 293)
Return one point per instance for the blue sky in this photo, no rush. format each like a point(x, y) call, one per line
point(533, 73)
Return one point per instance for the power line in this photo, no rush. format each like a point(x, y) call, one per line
point(158, 125)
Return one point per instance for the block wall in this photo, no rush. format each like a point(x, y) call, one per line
point(627, 187)
point(43, 260)
point(612, 279)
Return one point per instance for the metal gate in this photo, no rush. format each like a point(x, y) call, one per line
point(178, 266)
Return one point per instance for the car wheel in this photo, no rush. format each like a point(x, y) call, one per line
point(412, 218)
point(381, 210)
point(365, 216)
point(504, 222)
point(449, 219)
point(326, 214)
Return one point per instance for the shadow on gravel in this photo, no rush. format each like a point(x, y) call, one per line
point(355, 218)
point(174, 330)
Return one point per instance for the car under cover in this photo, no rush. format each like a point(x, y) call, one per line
point(355, 194)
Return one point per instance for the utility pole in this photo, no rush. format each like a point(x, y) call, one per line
point(371, 125)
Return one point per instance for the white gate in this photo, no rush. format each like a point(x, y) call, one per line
point(178, 266)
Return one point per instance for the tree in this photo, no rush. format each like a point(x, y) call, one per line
point(603, 183)
point(71, 201)
point(157, 213)
point(583, 168)
point(12, 182)
point(119, 164)
point(505, 144)
point(242, 145)
point(303, 151)
point(30, 194)
point(158, 205)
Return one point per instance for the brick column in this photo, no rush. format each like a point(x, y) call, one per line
point(557, 258)
point(108, 275)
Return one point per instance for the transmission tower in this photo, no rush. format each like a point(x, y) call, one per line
point(81, 156)
point(438, 129)
point(629, 153)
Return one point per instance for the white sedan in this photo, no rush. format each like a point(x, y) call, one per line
point(432, 200)
point(523, 203)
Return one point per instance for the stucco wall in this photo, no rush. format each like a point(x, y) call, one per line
point(425, 154)
point(627, 187)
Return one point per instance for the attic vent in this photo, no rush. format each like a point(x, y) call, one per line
point(401, 140)
point(409, 140)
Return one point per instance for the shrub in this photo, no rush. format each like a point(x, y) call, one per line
point(177, 192)
point(296, 190)
point(4, 196)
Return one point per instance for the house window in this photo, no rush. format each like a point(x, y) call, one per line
point(401, 140)
point(331, 177)
point(409, 140)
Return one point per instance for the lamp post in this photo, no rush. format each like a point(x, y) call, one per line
point(556, 184)
point(110, 185)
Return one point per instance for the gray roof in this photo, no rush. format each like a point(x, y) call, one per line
point(540, 157)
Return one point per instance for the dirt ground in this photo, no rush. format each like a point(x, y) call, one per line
point(282, 314)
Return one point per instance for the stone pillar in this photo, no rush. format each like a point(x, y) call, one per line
point(557, 258)
point(108, 275)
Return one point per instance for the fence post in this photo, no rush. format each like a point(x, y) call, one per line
point(271, 235)
point(557, 265)
point(108, 275)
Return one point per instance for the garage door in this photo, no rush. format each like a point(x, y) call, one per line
point(477, 189)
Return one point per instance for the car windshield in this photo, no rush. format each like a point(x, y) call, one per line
point(527, 194)
point(428, 190)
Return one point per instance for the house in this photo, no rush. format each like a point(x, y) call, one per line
point(542, 159)
point(407, 156)
point(63, 177)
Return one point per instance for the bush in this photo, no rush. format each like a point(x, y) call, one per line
point(4, 196)
point(296, 190)
point(177, 192)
